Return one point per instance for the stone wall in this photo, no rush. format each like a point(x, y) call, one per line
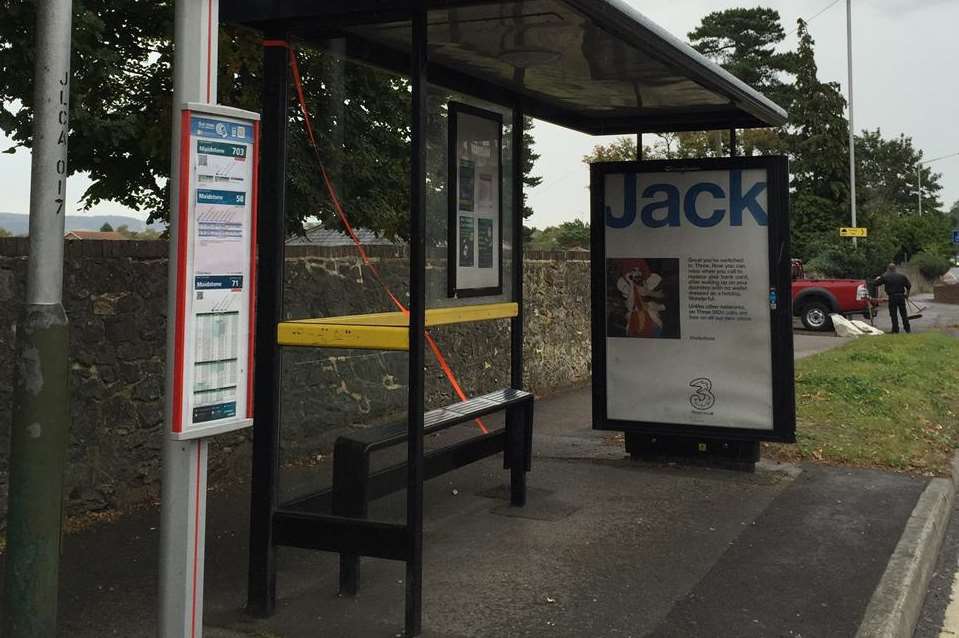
point(115, 297)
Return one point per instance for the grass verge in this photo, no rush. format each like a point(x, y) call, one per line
point(889, 402)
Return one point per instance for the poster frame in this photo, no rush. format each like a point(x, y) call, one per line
point(780, 277)
point(454, 110)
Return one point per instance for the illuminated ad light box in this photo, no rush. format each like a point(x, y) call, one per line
point(475, 239)
point(215, 255)
point(692, 318)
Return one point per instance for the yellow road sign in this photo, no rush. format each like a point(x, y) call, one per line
point(853, 232)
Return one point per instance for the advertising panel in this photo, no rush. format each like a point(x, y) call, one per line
point(692, 326)
point(475, 202)
point(215, 266)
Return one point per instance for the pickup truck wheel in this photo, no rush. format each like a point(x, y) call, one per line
point(815, 316)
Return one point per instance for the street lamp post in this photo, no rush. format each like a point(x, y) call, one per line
point(919, 190)
point(852, 126)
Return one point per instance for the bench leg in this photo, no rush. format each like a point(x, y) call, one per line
point(519, 430)
point(351, 474)
point(349, 574)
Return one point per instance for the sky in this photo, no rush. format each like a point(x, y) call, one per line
point(905, 54)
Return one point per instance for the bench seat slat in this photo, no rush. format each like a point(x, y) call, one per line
point(440, 418)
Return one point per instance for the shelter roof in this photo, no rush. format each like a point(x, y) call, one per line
point(597, 66)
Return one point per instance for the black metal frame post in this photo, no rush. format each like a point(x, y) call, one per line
point(629, 438)
point(271, 242)
point(415, 407)
point(516, 324)
point(516, 422)
point(733, 143)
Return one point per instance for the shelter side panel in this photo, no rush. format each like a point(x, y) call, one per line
point(687, 299)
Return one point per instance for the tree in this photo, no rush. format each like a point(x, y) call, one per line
point(529, 161)
point(912, 234)
point(573, 234)
point(887, 177)
point(5, 233)
point(931, 266)
point(664, 146)
point(120, 94)
point(817, 140)
point(147, 234)
point(107, 228)
point(622, 149)
point(530, 156)
point(121, 107)
point(744, 42)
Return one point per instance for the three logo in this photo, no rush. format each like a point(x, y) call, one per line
point(703, 398)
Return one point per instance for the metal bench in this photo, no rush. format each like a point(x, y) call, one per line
point(354, 486)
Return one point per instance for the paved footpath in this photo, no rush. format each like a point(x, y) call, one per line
point(606, 547)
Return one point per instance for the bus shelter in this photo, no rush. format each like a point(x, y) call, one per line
point(469, 72)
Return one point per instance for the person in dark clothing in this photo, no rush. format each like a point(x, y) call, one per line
point(897, 289)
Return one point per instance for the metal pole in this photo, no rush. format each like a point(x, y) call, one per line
point(41, 399)
point(852, 126)
point(733, 143)
point(919, 175)
point(639, 147)
point(183, 492)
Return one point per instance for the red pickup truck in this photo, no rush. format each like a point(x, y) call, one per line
point(815, 299)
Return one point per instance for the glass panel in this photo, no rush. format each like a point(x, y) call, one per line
point(361, 120)
point(481, 347)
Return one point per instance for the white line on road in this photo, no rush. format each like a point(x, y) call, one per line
point(950, 623)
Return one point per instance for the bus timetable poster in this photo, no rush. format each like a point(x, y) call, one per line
point(211, 381)
point(475, 248)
